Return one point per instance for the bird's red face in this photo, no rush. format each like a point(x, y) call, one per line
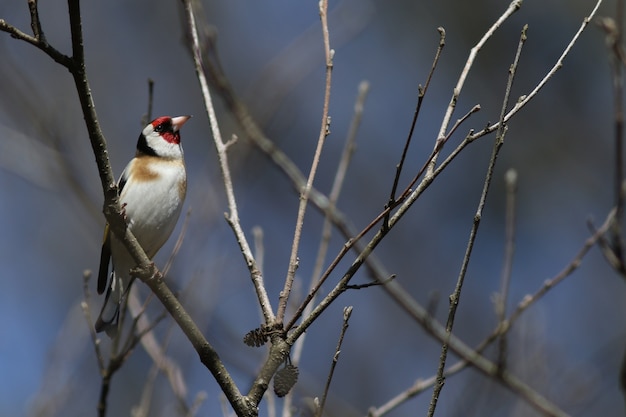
point(169, 127)
point(161, 137)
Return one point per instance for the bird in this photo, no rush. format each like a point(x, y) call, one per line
point(152, 190)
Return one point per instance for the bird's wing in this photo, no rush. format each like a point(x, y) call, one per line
point(105, 253)
point(123, 178)
point(105, 258)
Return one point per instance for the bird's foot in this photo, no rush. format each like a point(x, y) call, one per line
point(123, 212)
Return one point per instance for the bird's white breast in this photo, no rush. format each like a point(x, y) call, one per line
point(153, 196)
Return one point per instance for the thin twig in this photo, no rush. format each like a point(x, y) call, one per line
point(408, 198)
point(259, 247)
point(38, 39)
point(475, 359)
point(353, 239)
point(280, 159)
point(279, 349)
point(85, 307)
point(143, 408)
point(304, 195)
point(423, 317)
point(549, 284)
point(438, 147)
point(525, 99)
point(370, 284)
point(510, 179)
point(161, 361)
point(614, 38)
point(521, 103)
point(365, 250)
point(347, 312)
point(178, 244)
point(240, 403)
point(35, 23)
point(512, 8)
point(200, 398)
point(148, 116)
point(254, 133)
point(571, 267)
point(144, 334)
point(420, 99)
point(259, 255)
point(342, 168)
point(456, 295)
point(233, 214)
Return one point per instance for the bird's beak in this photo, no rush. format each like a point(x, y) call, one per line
point(178, 122)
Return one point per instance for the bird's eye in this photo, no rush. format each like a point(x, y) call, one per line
point(159, 128)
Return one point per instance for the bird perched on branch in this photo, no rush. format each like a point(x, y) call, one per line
point(152, 189)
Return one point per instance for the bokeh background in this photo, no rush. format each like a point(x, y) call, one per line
point(568, 346)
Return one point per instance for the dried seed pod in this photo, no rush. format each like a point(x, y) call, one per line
point(285, 379)
point(256, 338)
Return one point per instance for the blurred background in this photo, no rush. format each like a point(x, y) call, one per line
point(568, 346)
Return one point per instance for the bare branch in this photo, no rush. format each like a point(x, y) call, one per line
point(509, 251)
point(365, 251)
point(92, 332)
point(438, 147)
point(304, 194)
point(347, 312)
point(223, 378)
point(35, 23)
point(614, 38)
point(337, 186)
point(422, 316)
point(456, 295)
point(232, 217)
point(513, 7)
point(420, 99)
point(525, 99)
point(37, 40)
point(148, 116)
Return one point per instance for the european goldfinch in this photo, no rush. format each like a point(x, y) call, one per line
point(152, 189)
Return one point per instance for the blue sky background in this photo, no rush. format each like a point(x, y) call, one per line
point(568, 346)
